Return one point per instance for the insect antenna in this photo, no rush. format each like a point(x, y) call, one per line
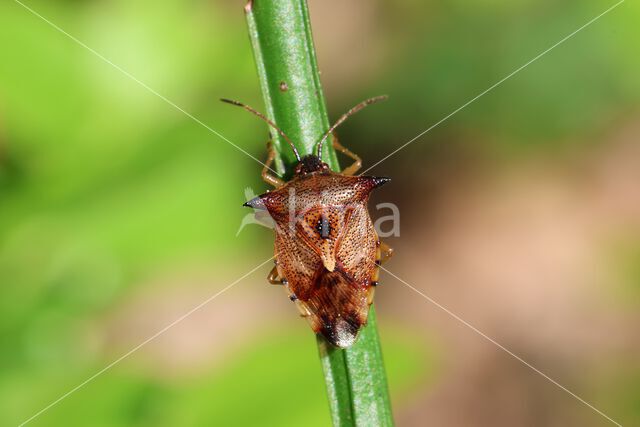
point(348, 114)
point(269, 122)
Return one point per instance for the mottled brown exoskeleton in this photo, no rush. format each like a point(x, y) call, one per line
point(327, 251)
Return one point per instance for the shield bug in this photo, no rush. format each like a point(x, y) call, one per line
point(327, 251)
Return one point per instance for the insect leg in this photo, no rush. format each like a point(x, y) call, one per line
point(266, 176)
point(357, 161)
point(274, 277)
point(386, 252)
point(383, 253)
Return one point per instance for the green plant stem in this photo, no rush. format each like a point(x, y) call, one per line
point(281, 37)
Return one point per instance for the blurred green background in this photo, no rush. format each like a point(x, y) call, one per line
point(119, 213)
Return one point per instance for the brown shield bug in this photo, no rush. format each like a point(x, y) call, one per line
point(327, 251)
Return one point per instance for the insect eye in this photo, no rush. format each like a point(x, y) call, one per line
point(323, 228)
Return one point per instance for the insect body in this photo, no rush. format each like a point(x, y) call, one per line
point(326, 249)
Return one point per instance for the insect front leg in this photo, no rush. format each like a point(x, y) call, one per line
point(357, 161)
point(267, 176)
